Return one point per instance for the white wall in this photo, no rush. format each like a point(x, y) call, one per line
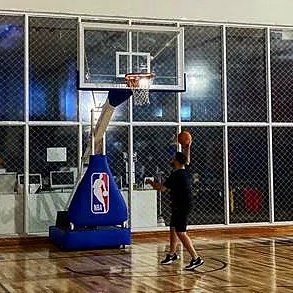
point(242, 11)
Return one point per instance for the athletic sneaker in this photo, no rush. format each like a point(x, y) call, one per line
point(170, 258)
point(194, 263)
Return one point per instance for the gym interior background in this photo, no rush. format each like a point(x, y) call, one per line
point(238, 107)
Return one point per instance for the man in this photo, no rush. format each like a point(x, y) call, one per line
point(179, 185)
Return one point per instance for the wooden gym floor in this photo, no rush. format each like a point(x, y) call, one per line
point(242, 262)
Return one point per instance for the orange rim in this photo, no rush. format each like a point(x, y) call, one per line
point(131, 76)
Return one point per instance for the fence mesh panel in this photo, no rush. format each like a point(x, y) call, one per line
point(52, 155)
point(12, 148)
point(117, 152)
point(207, 171)
point(12, 68)
point(282, 162)
point(53, 140)
point(52, 56)
point(202, 100)
point(52, 148)
point(246, 74)
point(281, 75)
point(162, 107)
point(248, 174)
point(154, 147)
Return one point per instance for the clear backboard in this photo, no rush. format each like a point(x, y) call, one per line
point(108, 51)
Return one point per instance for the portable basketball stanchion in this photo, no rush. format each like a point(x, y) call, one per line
point(97, 212)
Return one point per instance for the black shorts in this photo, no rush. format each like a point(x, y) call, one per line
point(179, 220)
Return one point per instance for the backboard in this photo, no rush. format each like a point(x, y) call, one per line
point(108, 51)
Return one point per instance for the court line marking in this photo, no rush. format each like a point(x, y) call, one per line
point(4, 288)
point(182, 272)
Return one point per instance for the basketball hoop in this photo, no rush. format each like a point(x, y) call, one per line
point(140, 85)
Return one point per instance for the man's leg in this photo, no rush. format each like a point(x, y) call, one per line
point(196, 261)
point(187, 243)
point(173, 241)
point(172, 256)
point(181, 219)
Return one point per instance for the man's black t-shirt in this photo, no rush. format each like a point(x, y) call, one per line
point(179, 183)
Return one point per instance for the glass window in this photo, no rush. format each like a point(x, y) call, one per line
point(282, 163)
point(207, 173)
point(86, 140)
point(202, 100)
point(52, 156)
point(52, 72)
point(12, 148)
point(162, 107)
point(12, 68)
point(11, 165)
point(117, 153)
point(52, 148)
point(281, 75)
point(246, 74)
point(248, 174)
point(153, 147)
point(89, 100)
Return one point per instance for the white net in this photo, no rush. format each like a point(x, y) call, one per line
point(140, 85)
point(140, 96)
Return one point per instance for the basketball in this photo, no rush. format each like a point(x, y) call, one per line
point(184, 138)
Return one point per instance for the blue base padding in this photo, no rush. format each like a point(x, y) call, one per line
point(90, 238)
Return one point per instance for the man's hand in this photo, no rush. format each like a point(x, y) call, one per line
point(186, 151)
point(156, 185)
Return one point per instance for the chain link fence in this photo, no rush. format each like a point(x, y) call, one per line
point(248, 174)
point(94, 100)
point(12, 68)
point(42, 139)
point(117, 152)
point(246, 74)
point(12, 149)
point(203, 60)
point(53, 153)
point(282, 162)
point(58, 113)
point(162, 108)
point(52, 69)
point(281, 75)
point(154, 146)
point(11, 165)
point(207, 172)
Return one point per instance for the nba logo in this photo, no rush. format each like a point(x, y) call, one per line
point(100, 193)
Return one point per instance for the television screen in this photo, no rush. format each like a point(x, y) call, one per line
point(33, 179)
point(35, 183)
point(62, 179)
